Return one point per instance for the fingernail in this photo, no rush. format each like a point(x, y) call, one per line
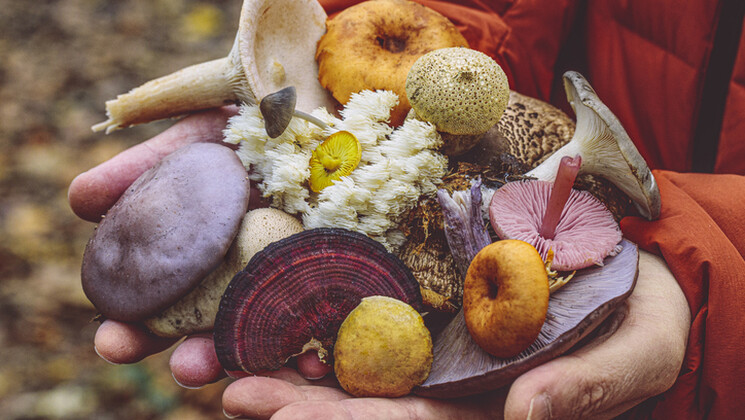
point(540, 407)
point(230, 416)
point(182, 385)
point(105, 359)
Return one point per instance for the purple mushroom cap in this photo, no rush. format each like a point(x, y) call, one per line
point(585, 235)
point(166, 233)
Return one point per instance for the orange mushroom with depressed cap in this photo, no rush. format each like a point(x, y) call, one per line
point(505, 297)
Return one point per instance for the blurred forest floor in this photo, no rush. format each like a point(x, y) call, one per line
point(59, 62)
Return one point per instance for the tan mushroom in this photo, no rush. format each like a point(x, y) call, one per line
point(463, 92)
point(274, 48)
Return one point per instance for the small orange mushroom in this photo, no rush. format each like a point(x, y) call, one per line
point(505, 297)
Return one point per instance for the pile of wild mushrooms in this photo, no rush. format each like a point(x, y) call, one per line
point(180, 253)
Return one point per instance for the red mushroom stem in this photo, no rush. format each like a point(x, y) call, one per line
point(565, 176)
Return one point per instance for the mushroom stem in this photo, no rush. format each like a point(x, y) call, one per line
point(311, 119)
point(605, 147)
point(201, 86)
point(560, 191)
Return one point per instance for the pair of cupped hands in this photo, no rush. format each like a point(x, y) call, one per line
point(635, 354)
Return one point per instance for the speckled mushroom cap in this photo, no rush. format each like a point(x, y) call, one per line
point(460, 90)
point(166, 233)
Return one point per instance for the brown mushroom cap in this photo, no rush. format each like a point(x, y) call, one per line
point(166, 233)
point(585, 235)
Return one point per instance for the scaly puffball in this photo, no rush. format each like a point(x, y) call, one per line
point(397, 167)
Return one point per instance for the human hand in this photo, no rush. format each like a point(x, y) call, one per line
point(636, 354)
point(194, 362)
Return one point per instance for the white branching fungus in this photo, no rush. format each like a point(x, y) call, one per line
point(396, 169)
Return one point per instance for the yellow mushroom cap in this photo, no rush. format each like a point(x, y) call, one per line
point(336, 157)
point(459, 90)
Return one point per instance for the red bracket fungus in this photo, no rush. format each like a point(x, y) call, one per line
point(551, 215)
point(294, 295)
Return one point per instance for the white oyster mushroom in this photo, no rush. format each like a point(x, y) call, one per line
point(605, 147)
point(274, 48)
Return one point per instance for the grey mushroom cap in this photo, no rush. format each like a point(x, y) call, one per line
point(169, 230)
point(277, 109)
point(605, 147)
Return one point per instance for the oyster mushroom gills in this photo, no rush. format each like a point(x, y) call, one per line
point(274, 48)
point(605, 147)
point(294, 295)
point(169, 230)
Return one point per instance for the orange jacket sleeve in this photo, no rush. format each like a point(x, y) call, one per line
point(701, 236)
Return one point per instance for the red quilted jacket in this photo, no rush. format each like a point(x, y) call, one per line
point(673, 72)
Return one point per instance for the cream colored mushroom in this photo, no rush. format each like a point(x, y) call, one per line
point(463, 92)
point(605, 147)
point(196, 311)
point(274, 48)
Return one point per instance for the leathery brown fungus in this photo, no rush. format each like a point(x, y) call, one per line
point(274, 48)
point(463, 92)
point(552, 216)
point(294, 295)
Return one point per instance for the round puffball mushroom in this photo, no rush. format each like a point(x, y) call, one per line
point(196, 311)
point(463, 92)
point(169, 230)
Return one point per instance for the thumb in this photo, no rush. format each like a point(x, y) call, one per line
point(637, 357)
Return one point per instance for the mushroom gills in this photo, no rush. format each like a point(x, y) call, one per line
point(605, 147)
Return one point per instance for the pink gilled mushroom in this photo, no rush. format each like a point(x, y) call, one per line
point(552, 216)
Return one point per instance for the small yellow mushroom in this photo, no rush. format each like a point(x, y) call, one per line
point(336, 157)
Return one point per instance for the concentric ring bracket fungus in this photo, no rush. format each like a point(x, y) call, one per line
point(294, 295)
point(461, 367)
point(274, 48)
point(605, 147)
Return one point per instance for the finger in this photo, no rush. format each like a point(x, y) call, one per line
point(259, 397)
point(118, 343)
point(617, 371)
point(488, 406)
point(194, 362)
point(311, 366)
point(93, 192)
